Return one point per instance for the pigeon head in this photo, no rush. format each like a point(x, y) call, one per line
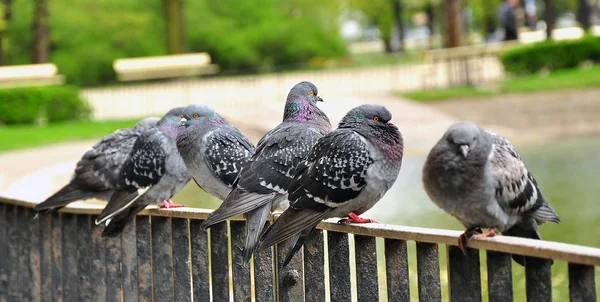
point(172, 117)
point(147, 123)
point(301, 106)
point(200, 115)
point(464, 137)
point(373, 122)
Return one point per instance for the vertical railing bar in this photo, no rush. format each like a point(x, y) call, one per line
point(56, 260)
point(428, 272)
point(144, 258)
point(12, 263)
point(129, 262)
point(219, 252)
point(114, 273)
point(84, 251)
point(290, 279)
point(339, 266)
point(396, 267)
point(45, 227)
point(366, 268)
point(582, 284)
point(499, 268)
point(241, 271)
point(162, 259)
point(314, 267)
point(181, 259)
point(538, 279)
point(25, 278)
point(464, 274)
point(69, 257)
point(264, 274)
point(98, 264)
point(200, 265)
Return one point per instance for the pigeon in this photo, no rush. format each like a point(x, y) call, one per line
point(97, 171)
point(263, 182)
point(344, 175)
point(213, 150)
point(478, 177)
point(151, 174)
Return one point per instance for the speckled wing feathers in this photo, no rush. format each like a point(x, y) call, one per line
point(226, 153)
point(334, 172)
point(275, 159)
point(515, 188)
point(147, 161)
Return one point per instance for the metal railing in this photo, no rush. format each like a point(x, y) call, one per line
point(165, 256)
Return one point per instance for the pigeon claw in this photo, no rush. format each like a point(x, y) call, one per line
point(353, 218)
point(489, 233)
point(463, 239)
point(168, 204)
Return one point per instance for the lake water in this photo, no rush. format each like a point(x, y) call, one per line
point(567, 170)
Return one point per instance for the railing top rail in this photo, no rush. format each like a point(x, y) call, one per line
point(521, 246)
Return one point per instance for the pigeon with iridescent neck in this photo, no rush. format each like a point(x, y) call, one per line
point(262, 185)
point(152, 173)
point(344, 175)
point(97, 172)
point(212, 149)
point(478, 177)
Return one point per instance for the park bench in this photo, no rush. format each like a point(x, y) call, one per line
point(30, 75)
point(162, 67)
point(465, 65)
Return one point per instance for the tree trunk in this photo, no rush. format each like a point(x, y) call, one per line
point(584, 14)
point(549, 17)
point(453, 10)
point(41, 32)
point(174, 28)
point(430, 11)
point(3, 26)
point(399, 22)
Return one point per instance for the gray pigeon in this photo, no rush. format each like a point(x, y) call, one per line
point(479, 178)
point(213, 150)
point(152, 173)
point(345, 174)
point(262, 184)
point(97, 171)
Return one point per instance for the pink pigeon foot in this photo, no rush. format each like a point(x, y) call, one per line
point(353, 218)
point(167, 204)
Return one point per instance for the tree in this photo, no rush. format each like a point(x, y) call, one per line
point(6, 14)
point(174, 28)
point(549, 17)
point(584, 14)
point(453, 10)
point(40, 32)
point(380, 14)
point(398, 8)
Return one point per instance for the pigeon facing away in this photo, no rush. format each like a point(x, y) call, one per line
point(213, 150)
point(345, 174)
point(97, 171)
point(263, 182)
point(152, 173)
point(479, 178)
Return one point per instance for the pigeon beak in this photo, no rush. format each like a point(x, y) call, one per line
point(319, 99)
point(464, 149)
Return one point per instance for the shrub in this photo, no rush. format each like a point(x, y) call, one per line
point(27, 105)
point(553, 55)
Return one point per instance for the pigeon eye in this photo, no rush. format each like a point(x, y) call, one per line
point(376, 119)
point(311, 93)
point(196, 115)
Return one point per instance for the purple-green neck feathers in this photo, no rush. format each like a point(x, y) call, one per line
point(303, 111)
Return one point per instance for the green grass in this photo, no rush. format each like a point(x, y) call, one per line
point(18, 137)
point(563, 79)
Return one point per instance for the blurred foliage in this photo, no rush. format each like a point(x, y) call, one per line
point(29, 104)
point(551, 55)
point(379, 13)
point(87, 36)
